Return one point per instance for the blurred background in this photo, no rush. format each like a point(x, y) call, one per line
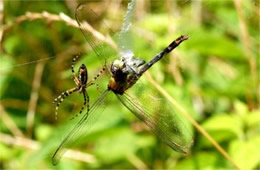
point(214, 76)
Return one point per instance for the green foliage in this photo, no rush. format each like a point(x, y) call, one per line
point(209, 75)
point(240, 132)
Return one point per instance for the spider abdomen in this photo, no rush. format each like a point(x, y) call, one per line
point(83, 74)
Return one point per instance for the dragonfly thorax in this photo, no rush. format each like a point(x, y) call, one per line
point(132, 63)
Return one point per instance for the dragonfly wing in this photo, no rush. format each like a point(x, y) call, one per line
point(103, 46)
point(81, 128)
point(125, 38)
point(125, 41)
point(159, 116)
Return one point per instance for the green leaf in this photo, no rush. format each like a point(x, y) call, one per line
point(6, 152)
point(246, 153)
point(200, 160)
point(43, 131)
point(151, 23)
point(118, 143)
point(241, 108)
point(224, 126)
point(208, 43)
point(253, 119)
point(5, 68)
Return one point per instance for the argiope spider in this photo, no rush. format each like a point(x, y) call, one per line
point(81, 81)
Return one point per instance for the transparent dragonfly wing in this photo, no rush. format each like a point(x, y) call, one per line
point(125, 37)
point(82, 128)
point(104, 47)
point(125, 40)
point(154, 110)
point(102, 44)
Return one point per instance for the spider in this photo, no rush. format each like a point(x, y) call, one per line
point(81, 81)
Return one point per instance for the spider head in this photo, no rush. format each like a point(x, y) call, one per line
point(82, 69)
point(82, 66)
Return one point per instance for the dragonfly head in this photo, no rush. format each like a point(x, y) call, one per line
point(117, 67)
point(118, 82)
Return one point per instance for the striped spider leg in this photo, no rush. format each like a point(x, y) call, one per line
point(81, 81)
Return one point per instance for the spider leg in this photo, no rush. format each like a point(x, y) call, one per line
point(86, 102)
point(74, 77)
point(99, 73)
point(73, 62)
point(97, 87)
point(92, 82)
point(76, 80)
point(61, 97)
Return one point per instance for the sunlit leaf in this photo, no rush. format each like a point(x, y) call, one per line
point(224, 123)
point(246, 153)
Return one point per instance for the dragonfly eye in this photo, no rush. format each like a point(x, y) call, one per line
point(114, 68)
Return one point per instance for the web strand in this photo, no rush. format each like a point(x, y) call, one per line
point(31, 62)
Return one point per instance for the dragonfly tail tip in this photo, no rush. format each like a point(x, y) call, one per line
point(185, 37)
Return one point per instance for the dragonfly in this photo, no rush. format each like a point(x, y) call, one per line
point(123, 74)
